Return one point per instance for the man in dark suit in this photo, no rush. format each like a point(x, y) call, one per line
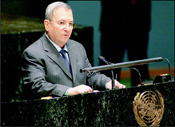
point(51, 65)
point(125, 26)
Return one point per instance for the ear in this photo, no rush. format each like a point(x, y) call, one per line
point(46, 24)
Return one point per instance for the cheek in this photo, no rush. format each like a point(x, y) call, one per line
point(70, 32)
point(58, 32)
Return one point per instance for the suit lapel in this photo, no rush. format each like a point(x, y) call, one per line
point(53, 54)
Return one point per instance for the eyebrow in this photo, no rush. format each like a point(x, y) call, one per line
point(64, 20)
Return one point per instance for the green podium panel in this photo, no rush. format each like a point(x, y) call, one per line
point(105, 108)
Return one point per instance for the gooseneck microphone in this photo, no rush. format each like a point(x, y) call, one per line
point(168, 66)
point(140, 77)
point(108, 63)
point(129, 64)
point(124, 64)
point(104, 60)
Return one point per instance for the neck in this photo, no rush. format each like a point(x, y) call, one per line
point(60, 45)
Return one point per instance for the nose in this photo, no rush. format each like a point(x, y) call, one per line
point(67, 27)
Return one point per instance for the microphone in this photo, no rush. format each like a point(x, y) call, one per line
point(108, 63)
point(104, 60)
point(127, 64)
point(124, 64)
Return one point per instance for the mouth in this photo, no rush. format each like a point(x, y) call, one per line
point(66, 35)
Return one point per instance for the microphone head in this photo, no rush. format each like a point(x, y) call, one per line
point(101, 58)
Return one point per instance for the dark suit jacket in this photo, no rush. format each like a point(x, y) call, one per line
point(45, 73)
point(123, 18)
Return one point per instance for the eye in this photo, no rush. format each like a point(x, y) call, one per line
point(71, 24)
point(61, 23)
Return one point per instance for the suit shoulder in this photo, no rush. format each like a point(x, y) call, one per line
point(35, 48)
point(35, 45)
point(75, 43)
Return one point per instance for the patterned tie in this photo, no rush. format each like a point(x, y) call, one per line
point(63, 53)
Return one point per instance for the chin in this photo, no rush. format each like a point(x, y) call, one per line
point(65, 41)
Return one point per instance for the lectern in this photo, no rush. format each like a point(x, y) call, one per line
point(149, 105)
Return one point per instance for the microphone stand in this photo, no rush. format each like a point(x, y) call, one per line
point(89, 76)
point(168, 66)
point(113, 80)
point(108, 63)
point(140, 77)
point(112, 73)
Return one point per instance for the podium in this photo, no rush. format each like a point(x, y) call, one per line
point(105, 108)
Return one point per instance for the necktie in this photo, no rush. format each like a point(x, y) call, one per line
point(63, 53)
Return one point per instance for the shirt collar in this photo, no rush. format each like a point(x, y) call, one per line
point(55, 45)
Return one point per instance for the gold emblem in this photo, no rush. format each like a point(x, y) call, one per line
point(148, 108)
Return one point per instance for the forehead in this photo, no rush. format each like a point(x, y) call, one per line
point(63, 14)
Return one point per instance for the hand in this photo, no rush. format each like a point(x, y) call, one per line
point(116, 84)
point(81, 89)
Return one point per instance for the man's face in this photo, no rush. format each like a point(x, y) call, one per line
point(59, 28)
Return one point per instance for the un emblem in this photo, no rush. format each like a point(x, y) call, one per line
point(148, 108)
